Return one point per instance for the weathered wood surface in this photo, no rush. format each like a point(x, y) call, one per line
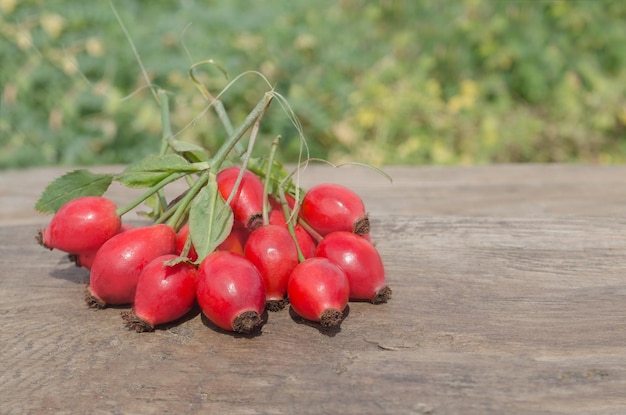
point(509, 286)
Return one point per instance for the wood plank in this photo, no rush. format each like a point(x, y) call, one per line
point(497, 191)
point(490, 315)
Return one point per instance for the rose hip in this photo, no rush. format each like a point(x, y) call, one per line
point(164, 294)
point(81, 225)
point(361, 262)
point(318, 291)
point(331, 207)
point(305, 240)
point(273, 252)
point(119, 262)
point(230, 291)
point(247, 203)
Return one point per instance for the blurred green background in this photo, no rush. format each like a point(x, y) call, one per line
point(381, 82)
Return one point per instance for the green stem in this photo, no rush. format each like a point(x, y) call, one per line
point(183, 204)
point(223, 116)
point(166, 134)
point(217, 104)
point(245, 157)
point(316, 236)
point(166, 125)
point(234, 138)
point(268, 177)
point(290, 227)
point(169, 179)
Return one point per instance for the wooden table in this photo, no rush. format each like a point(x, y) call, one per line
point(509, 286)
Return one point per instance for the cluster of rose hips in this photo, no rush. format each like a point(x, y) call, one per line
point(314, 254)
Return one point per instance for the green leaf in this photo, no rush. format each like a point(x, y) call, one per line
point(189, 150)
point(149, 171)
point(210, 220)
point(77, 183)
point(185, 146)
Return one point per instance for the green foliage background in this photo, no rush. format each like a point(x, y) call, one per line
point(382, 82)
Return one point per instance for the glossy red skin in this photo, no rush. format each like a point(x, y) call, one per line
point(305, 240)
point(126, 227)
point(273, 252)
point(228, 285)
point(359, 259)
point(119, 262)
point(85, 259)
point(248, 201)
point(317, 285)
point(82, 225)
point(165, 293)
point(331, 207)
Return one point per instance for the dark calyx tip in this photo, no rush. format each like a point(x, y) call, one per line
point(93, 301)
point(247, 322)
point(74, 259)
point(254, 221)
point(134, 322)
point(331, 318)
point(382, 296)
point(361, 225)
point(276, 305)
point(39, 239)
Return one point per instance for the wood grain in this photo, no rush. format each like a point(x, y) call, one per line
point(487, 315)
point(516, 312)
point(496, 191)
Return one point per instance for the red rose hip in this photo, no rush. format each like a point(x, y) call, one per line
point(273, 252)
point(230, 291)
point(164, 294)
point(331, 207)
point(361, 262)
point(119, 262)
point(318, 291)
point(82, 225)
point(247, 203)
point(305, 240)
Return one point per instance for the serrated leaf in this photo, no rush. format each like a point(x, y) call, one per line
point(210, 220)
point(151, 170)
point(77, 183)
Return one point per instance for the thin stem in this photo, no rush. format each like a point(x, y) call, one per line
point(166, 134)
point(169, 179)
point(268, 176)
point(223, 116)
point(134, 49)
point(290, 227)
point(182, 207)
point(227, 147)
point(186, 248)
point(316, 236)
point(166, 125)
point(217, 104)
point(245, 157)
